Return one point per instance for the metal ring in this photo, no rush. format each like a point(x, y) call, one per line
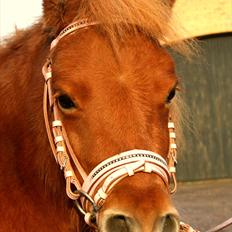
point(90, 216)
point(89, 198)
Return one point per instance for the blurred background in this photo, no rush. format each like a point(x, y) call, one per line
point(18, 14)
point(207, 81)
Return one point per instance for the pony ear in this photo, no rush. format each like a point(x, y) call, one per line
point(59, 13)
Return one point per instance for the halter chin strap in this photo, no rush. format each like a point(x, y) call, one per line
point(90, 196)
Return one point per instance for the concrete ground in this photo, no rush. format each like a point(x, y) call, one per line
point(205, 204)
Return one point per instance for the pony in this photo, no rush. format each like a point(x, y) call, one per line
point(113, 83)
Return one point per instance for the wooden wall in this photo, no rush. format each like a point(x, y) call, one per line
point(208, 93)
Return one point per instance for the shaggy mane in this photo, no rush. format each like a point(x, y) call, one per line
point(152, 17)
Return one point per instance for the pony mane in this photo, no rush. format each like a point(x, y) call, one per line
point(153, 17)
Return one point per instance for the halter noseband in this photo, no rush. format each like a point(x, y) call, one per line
point(90, 195)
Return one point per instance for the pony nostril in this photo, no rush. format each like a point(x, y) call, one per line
point(170, 223)
point(117, 223)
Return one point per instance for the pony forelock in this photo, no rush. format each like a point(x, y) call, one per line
point(152, 17)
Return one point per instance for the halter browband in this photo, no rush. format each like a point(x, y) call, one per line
point(90, 195)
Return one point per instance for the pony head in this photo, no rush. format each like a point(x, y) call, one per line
point(113, 84)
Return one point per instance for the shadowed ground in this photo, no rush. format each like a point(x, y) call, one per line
point(206, 204)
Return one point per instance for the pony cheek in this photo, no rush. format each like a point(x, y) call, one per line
point(74, 140)
point(160, 142)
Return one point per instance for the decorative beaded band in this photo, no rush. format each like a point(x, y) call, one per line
point(102, 178)
point(127, 156)
point(71, 28)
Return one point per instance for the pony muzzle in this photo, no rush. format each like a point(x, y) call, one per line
point(110, 172)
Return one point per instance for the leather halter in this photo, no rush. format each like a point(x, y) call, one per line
point(90, 195)
point(97, 185)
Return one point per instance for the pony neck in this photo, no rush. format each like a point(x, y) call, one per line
point(31, 173)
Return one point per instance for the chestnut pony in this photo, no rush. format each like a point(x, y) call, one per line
point(112, 83)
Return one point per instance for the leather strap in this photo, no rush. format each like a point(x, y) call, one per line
point(172, 154)
point(77, 25)
point(221, 226)
point(58, 139)
point(187, 228)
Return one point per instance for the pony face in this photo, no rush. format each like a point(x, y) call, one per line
point(113, 99)
point(119, 102)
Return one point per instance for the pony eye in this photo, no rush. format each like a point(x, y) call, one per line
point(171, 95)
point(65, 102)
